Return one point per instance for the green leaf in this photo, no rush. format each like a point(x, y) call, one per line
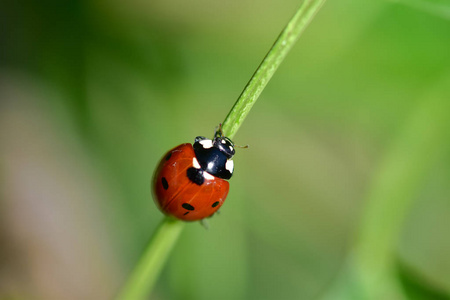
point(440, 8)
point(417, 286)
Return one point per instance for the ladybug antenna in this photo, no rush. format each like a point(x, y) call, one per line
point(243, 147)
point(218, 131)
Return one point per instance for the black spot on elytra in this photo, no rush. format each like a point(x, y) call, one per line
point(186, 213)
point(187, 206)
point(165, 183)
point(168, 156)
point(195, 175)
point(215, 204)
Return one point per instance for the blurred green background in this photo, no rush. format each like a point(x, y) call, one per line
point(344, 192)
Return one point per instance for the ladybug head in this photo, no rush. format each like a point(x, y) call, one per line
point(225, 145)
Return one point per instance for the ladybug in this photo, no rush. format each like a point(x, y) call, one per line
point(190, 183)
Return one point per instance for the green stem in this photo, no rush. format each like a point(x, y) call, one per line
point(143, 277)
point(269, 65)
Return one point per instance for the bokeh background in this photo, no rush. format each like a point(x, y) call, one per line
point(344, 192)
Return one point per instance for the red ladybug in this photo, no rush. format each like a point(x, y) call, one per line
point(190, 182)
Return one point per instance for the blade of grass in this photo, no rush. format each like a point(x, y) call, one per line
point(142, 279)
point(269, 65)
point(369, 272)
point(394, 188)
point(437, 8)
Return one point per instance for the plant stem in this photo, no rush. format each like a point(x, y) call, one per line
point(269, 65)
point(143, 277)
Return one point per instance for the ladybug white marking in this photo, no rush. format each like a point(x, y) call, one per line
point(229, 165)
point(195, 163)
point(208, 176)
point(206, 144)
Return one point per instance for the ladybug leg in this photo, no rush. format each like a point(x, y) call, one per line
point(204, 223)
point(218, 131)
point(199, 138)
